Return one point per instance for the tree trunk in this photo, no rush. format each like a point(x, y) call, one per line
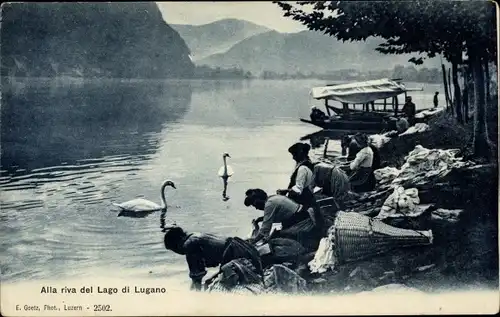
point(470, 91)
point(481, 144)
point(446, 96)
point(458, 96)
point(465, 101)
point(487, 80)
point(449, 90)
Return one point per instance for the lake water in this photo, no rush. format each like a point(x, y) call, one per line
point(71, 148)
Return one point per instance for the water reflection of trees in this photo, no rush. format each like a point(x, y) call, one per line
point(204, 85)
point(49, 123)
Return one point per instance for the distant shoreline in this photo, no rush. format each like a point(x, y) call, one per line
point(16, 79)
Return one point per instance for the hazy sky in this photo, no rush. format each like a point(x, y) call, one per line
point(263, 13)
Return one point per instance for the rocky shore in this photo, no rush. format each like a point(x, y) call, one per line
point(457, 200)
point(430, 225)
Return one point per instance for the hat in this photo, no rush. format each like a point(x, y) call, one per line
point(299, 148)
point(361, 138)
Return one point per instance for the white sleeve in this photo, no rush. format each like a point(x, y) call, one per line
point(303, 178)
point(360, 157)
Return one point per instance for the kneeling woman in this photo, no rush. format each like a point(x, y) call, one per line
point(298, 222)
point(361, 177)
point(204, 250)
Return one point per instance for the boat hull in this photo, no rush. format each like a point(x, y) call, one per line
point(347, 125)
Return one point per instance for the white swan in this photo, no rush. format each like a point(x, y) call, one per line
point(225, 172)
point(140, 207)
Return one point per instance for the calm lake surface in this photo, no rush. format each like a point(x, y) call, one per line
point(71, 148)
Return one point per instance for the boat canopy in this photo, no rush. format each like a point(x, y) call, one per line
point(360, 92)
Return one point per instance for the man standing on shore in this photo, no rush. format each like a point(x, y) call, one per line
point(436, 99)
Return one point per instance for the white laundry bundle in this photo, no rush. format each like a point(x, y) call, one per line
point(386, 175)
point(450, 215)
point(324, 258)
point(400, 202)
point(420, 166)
point(378, 140)
point(422, 163)
point(428, 113)
point(417, 128)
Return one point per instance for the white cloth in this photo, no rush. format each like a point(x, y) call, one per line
point(417, 128)
point(421, 165)
point(386, 175)
point(305, 178)
point(450, 215)
point(364, 158)
point(400, 203)
point(324, 258)
point(360, 92)
point(428, 113)
point(378, 140)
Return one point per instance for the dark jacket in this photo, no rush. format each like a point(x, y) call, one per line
point(409, 109)
point(306, 198)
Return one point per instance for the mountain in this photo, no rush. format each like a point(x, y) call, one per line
point(122, 40)
point(216, 37)
point(305, 52)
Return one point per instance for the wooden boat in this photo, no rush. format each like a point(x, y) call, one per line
point(346, 125)
point(369, 94)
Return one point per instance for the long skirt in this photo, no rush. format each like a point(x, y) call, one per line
point(237, 248)
point(305, 232)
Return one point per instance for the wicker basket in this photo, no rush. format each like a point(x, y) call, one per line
point(358, 237)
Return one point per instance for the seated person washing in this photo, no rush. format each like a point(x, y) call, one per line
point(204, 250)
point(350, 145)
point(361, 177)
point(297, 222)
point(398, 124)
point(301, 186)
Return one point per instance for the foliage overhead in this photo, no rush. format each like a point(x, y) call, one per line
point(424, 26)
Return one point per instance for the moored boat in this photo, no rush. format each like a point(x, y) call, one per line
point(369, 94)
